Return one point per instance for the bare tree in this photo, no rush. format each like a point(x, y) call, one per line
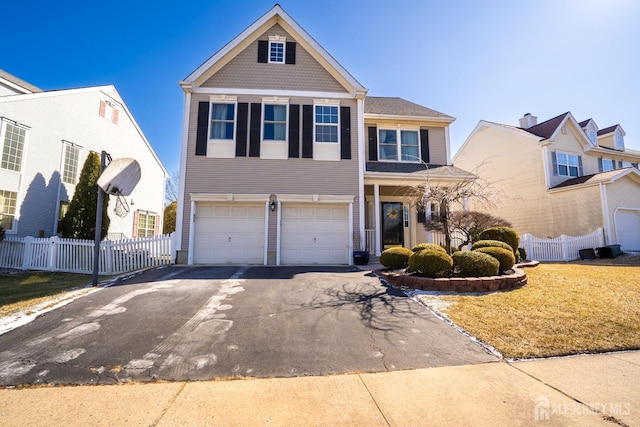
point(172, 187)
point(469, 223)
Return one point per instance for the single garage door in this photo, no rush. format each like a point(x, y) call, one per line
point(314, 233)
point(229, 233)
point(628, 229)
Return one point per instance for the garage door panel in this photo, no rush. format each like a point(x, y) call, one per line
point(229, 233)
point(314, 234)
point(628, 229)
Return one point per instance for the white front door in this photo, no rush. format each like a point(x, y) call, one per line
point(229, 233)
point(314, 233)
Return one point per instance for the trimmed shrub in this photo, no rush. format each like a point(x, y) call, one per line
point(395, 258)
point(432, 246)
point(504, 256)
point(523, 254)
point(475, 264)
point(490, 244)
point(431, 262)
point(504, 234)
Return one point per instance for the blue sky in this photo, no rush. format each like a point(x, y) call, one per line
point(489, 60)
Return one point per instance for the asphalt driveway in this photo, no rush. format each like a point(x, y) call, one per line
point(196, 323)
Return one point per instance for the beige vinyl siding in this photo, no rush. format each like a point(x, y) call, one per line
point(608, 141)
point(252, 175)
point(574, 212)
point(244, 71)
point(437, 138)
point(568, 142)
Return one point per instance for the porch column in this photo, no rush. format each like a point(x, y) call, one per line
point(378, 220)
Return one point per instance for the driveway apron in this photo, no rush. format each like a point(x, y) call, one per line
point(198, 323)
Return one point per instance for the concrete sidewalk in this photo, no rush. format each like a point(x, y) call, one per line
point(581, 391)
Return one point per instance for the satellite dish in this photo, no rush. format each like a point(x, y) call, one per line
point(120, 177)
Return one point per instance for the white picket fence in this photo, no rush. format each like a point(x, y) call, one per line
point(76, 256)
point(562, 248)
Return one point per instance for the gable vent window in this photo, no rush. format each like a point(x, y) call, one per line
point(276, 50)
point(109, 111)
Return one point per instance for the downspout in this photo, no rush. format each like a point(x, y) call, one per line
point(605, 213)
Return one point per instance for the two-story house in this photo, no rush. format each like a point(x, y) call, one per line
point(285, 160)
point(46, 137)
point(560, 176)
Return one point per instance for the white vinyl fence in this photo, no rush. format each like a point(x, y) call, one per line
point(562, 248)
point(76, 256)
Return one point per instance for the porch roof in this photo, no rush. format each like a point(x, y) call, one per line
point(412, 173)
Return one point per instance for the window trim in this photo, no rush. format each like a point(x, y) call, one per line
point(281, 41)
point(611, 162)
point(12, 215)
point(399, 144)
point(337, 124)
point(210, 127)
point(66, 146)
point(4, 122)
point(147, 215)
point(568, 165)
point(286, 122)
point(618, 142)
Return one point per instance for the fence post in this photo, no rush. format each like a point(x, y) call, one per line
point(526, 244)
point(565, 247)
point(53, 253)
point(109, 257)
point(26, 258)
point(600, 232)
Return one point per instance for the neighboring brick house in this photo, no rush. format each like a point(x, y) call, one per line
point(46, 136)
point(285, 160)
point(559, 177)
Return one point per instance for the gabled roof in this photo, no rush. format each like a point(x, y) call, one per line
point(547, 129)
point(15, 81)
point(275, 15)
point(597, 178)
point(607, 130)
point(584, 123)
point(400, 107)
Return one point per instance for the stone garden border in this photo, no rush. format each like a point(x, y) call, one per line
point(455, 284)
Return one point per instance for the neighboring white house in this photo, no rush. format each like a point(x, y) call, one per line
point(46, 137)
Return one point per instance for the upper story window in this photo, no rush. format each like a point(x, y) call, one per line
point(275, 122)
point(567, 164)
point(593, 136)
point(276, 52)
point(626, 164)
point(7, 208)
point(619, 142)
point(399, 145)
point(607, 165)
point(109, 110)
point(13, 146)
point(222, 120)
point(70, 163)
point(326, 123)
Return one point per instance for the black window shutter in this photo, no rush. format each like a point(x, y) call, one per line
point(294, 131)
point(373, 143)
point(254, 130)
point(424, 145)
point(263, 51)
point(600, 167)
point(203, 128)
point(580, 166)
point(290, 53)
point(554, 162)
point(241, 129)
point(345, 132)
point(307, 131)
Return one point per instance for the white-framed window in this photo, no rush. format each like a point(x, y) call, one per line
point(568, 165)
point(619, 142)
point(608, 165)
point(7, 208)
point(274, 124)
point(13, 146)
point(109, 110)
point(626, 164)
point(398, 145)
point(593, 136)
point(70, 164)
point(222, 121)
point(146, 226)
point(327, 124)
point(276, 52)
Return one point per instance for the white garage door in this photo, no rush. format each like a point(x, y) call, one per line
point(314, 234)
point(229, 233)
point(628, 229)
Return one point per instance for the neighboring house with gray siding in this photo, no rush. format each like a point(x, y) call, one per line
point(46, 137)
point(286, 160)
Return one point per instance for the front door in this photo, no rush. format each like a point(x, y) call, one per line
point(392, 225)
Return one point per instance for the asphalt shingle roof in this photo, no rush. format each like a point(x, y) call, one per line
point(607, 130)
point(398, 107)
point(547, 128)
point(17, 81)
point(591, 179)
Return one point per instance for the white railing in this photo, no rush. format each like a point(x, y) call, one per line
point(76, 256)
point(370, 241)
point(439, 238)
point(562, 248)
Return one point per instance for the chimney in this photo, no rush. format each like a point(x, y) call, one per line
point(528, 120)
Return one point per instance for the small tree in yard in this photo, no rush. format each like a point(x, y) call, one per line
point(469, 223)
point(80, 220)
point(169, 223)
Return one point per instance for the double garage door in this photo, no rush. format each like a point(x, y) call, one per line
point(235, 233)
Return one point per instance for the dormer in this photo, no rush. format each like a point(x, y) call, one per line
point(590, 129)
point(612, 137)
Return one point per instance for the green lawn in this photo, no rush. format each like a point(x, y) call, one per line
point(20, 291)
point(567, 308)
